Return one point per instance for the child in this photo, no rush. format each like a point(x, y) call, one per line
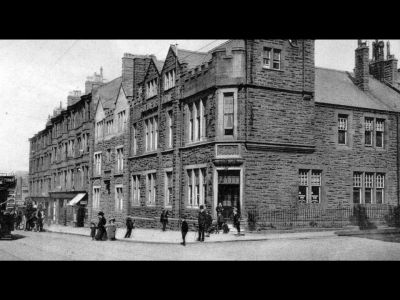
point(92, 230)
point(111, 229)
point(184, 229)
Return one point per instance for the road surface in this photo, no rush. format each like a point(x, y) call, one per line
point(56, 246)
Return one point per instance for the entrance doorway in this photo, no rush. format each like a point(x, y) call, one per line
point(229, 192)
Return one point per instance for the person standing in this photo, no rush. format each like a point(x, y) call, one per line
point(40, 220)
point(92, 230)
point(111, 230)
point(129, 227)
point(19, 220)
point(164, 219)
point(101, 230)
point(202, 223)
point(184, 230)
point(209, 221)
point(219, 208)
point(220, 222)
point(236, 219)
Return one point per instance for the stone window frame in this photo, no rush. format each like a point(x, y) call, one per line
point(151, 87)
point(168, 82)
point(202, 197)
point(374, 171)
point(375, 117)
point(169, 128)
point(220, 114)
point(134, 138)
point(168, 170)
point(97, 202)
point(118, 168)
point(313, 167)
point(119, 201)
point(350, 129)
point(272, 47)
point(154, 134)
point(96, 171)
point(135, 180)
point(196, 132)
point(155, 188)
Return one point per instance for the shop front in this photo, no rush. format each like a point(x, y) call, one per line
point(68, 208)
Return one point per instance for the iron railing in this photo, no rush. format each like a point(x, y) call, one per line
point(313, 217)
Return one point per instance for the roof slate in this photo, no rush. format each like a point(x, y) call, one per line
point(193, 58)
point(108, 93)
point(337, 87)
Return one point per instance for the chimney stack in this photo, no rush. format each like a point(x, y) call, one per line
point(381, 69)
point(133, 71)
point(73, 97)
point(361, 71)
point(93, 82)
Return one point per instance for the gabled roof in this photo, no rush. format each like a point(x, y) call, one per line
point(159, 64)
point(108, 93)
point(337, 87)
point(192, 58)
point(229, 44)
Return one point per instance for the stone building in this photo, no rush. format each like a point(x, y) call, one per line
point(251, 124)
point(59, 164)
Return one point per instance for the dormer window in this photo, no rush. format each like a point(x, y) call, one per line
point(169, 79)
point(151, 88)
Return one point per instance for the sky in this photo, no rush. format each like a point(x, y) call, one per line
point(36, 75)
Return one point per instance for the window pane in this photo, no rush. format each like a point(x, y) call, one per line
point(315, 194)
point(342, 137)
point(302, 194)
point(356, 195)
point(368, 137)
point(379, 139)
point(379, 196)
point(368, 195)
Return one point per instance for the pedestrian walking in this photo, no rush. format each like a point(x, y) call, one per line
point(164, 219)
point(129, 227)
point(236, 219)
point(111, 230)
point(184, 230)
point(92, 230)
point(202, 223)
point(209, 221)
point(101, 230)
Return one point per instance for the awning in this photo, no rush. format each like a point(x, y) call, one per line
point(76, 199)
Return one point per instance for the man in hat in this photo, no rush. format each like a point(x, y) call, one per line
point(101, 230)
point(202, 223)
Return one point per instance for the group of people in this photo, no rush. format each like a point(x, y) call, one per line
point(103, 231)
point(31, 220)
point(205, 223)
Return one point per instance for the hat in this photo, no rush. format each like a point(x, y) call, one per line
point(100, 213)
point(201, 206)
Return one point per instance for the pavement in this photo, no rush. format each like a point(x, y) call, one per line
point(174, 237)
point(30, 245)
